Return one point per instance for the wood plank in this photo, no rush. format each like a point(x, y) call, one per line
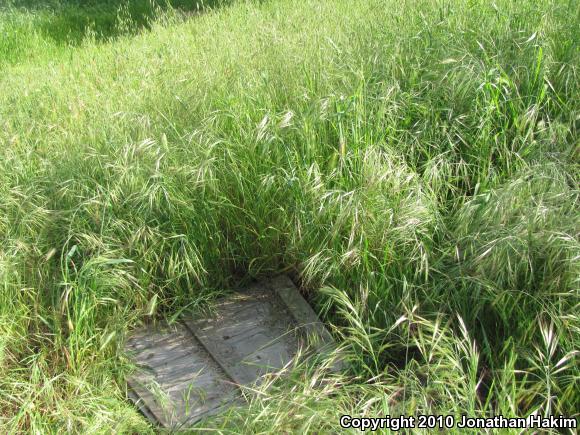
point(308, 320)
point(193, 369)
point(301, 311)
point(253, 343)
point(178, 383)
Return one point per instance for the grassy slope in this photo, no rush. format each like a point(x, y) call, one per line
point(36, 29)
point(414, 159)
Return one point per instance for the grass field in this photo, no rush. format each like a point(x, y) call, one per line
point(416, 162)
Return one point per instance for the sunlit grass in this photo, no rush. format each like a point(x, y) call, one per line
point(414, 163)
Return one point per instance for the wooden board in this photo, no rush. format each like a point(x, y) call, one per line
point(178, 382)
point(195, 368)
point(250, 334)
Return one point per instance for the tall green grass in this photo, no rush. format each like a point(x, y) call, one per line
point(416, 164)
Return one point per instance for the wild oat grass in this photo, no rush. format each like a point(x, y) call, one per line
point(415, 162)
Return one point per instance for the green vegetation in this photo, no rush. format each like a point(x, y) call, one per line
point(415, 161)
point(33, 29)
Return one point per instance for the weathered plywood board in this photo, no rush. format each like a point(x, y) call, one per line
point(195, 368)
point(178, 382)
point(250, 333)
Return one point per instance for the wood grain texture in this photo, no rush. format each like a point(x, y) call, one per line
point(178, 382)
point(193, 369)
point(250, 334)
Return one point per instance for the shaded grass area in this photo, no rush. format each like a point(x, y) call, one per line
point(31, 28)
point(415, 162)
